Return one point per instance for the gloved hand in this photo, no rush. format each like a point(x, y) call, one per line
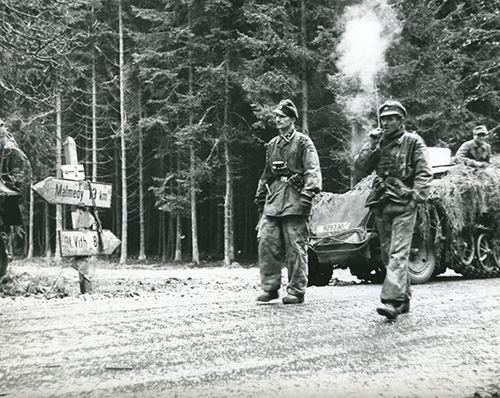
point(375, 137)
point(412, 204)
point(260, 207)
point(305, 203)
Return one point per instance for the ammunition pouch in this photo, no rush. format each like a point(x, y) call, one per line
point(259, 202)
point(397, 191)
point(390, 189)
point(280, 168)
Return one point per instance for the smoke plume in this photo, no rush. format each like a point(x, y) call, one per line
point(369, 28)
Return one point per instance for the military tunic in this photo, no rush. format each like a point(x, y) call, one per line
point(285, 198)
point(402, 180)
point(15, 176)
point(470, 153)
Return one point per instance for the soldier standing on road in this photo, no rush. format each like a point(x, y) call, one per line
point(402, 181)
point(285, 191)
point(476, 152)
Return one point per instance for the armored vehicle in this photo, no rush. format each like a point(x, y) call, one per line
point(458, 227)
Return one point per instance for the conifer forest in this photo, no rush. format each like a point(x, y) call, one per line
point(170, 101)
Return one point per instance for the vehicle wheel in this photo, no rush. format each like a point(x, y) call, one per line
point(422, 261)
point(496, 252)
point(4, 259)
point(319, 274)
point(485, 255)
point(464, 248)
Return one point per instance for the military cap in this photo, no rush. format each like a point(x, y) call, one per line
point(480, 130)
point(391, 107)
point(287, 108)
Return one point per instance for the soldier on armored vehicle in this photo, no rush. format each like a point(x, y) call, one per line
point(476, 152)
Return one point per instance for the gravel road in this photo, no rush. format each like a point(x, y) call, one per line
point(198, 332)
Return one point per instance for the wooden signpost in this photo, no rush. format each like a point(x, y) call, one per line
point(73, 192)
point(87, 237)
point(86, 243)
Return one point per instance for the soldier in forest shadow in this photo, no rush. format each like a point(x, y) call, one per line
point(15, 179)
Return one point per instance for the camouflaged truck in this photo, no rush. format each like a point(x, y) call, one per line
point(456, 228)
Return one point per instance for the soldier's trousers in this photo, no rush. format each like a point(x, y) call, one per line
point(283, 240)
point(395, 225)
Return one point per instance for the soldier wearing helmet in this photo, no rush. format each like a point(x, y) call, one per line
point(285, 191)
point(402, 181)
point(476, 152)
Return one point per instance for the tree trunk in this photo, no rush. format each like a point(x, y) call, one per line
point(164, 252)
point(228, 199)
point(48, 248)
point(31, 224)
point(171, 217)
point(178, 238)
point(194, 223)
point(178, 222)
point(228, 250)
point(57, 254)
point(305, 87)
point(123, 255)
point(142, 240)
point(162, 247)
point(94, 115)
point(217, 220)
point(116, 210)
point(161, 237)
point(231, 226)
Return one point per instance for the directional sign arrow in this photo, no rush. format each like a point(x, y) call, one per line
point(69, 192)
point(86, 243)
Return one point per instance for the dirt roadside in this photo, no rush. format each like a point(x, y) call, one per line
point(191, 332)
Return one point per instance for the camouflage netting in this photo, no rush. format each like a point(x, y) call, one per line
point(469, 196)
point(333, 212)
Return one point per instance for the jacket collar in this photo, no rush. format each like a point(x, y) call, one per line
point(479, 145)
point(393, 137)
point(288, 137)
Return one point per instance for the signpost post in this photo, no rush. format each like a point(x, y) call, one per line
point(87, 238)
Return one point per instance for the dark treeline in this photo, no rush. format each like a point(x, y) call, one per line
point(170, 101)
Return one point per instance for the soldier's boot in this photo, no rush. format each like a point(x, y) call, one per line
point(389, 310)
point(291, 299)
point(268, 296)
point(404, 307)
